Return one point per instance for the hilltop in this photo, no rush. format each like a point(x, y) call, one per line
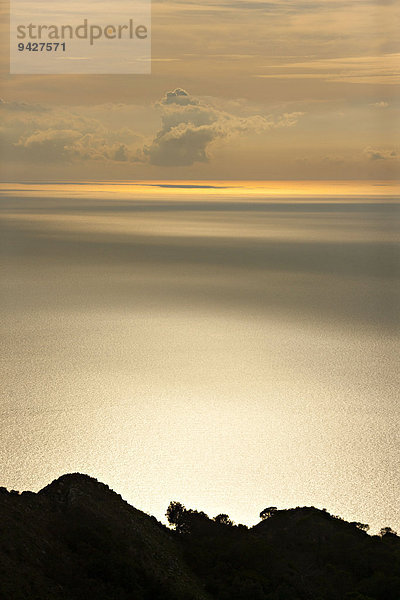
point(77, 539)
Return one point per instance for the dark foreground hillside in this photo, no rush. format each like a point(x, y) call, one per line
point(77, 539)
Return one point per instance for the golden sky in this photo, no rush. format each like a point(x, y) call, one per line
point(239, 90)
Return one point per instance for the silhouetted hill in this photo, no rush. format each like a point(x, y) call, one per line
point(77, 539)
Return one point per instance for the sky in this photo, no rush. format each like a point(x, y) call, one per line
point(239, 90)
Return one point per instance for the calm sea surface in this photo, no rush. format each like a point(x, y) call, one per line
point(230, 353)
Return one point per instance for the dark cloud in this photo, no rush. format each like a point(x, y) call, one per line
point(181, 146)
point(279, 7)
point(189, 186)
point(121, 153)
point(379, 154)
point(178, 96)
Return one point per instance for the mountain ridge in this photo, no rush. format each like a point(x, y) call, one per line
point(77, 539)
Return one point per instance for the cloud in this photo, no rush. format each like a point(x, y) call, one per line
point(121, 153)
point(178, 96)
point(190, 126)
point(354, 69)
point(379, 154)
point(276, 7)
point(181, 146)
point(64, 135)
point(49, 146)
point(21, 106)
point(381, 104)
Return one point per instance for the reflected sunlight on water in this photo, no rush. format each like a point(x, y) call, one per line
point(231, 349)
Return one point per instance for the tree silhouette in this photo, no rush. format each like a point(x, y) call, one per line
point(387, 531)
point(175, 515)
point(268, 512)
point(361, 526)
point(223, 519)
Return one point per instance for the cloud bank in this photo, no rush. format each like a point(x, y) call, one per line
point(190, 127)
